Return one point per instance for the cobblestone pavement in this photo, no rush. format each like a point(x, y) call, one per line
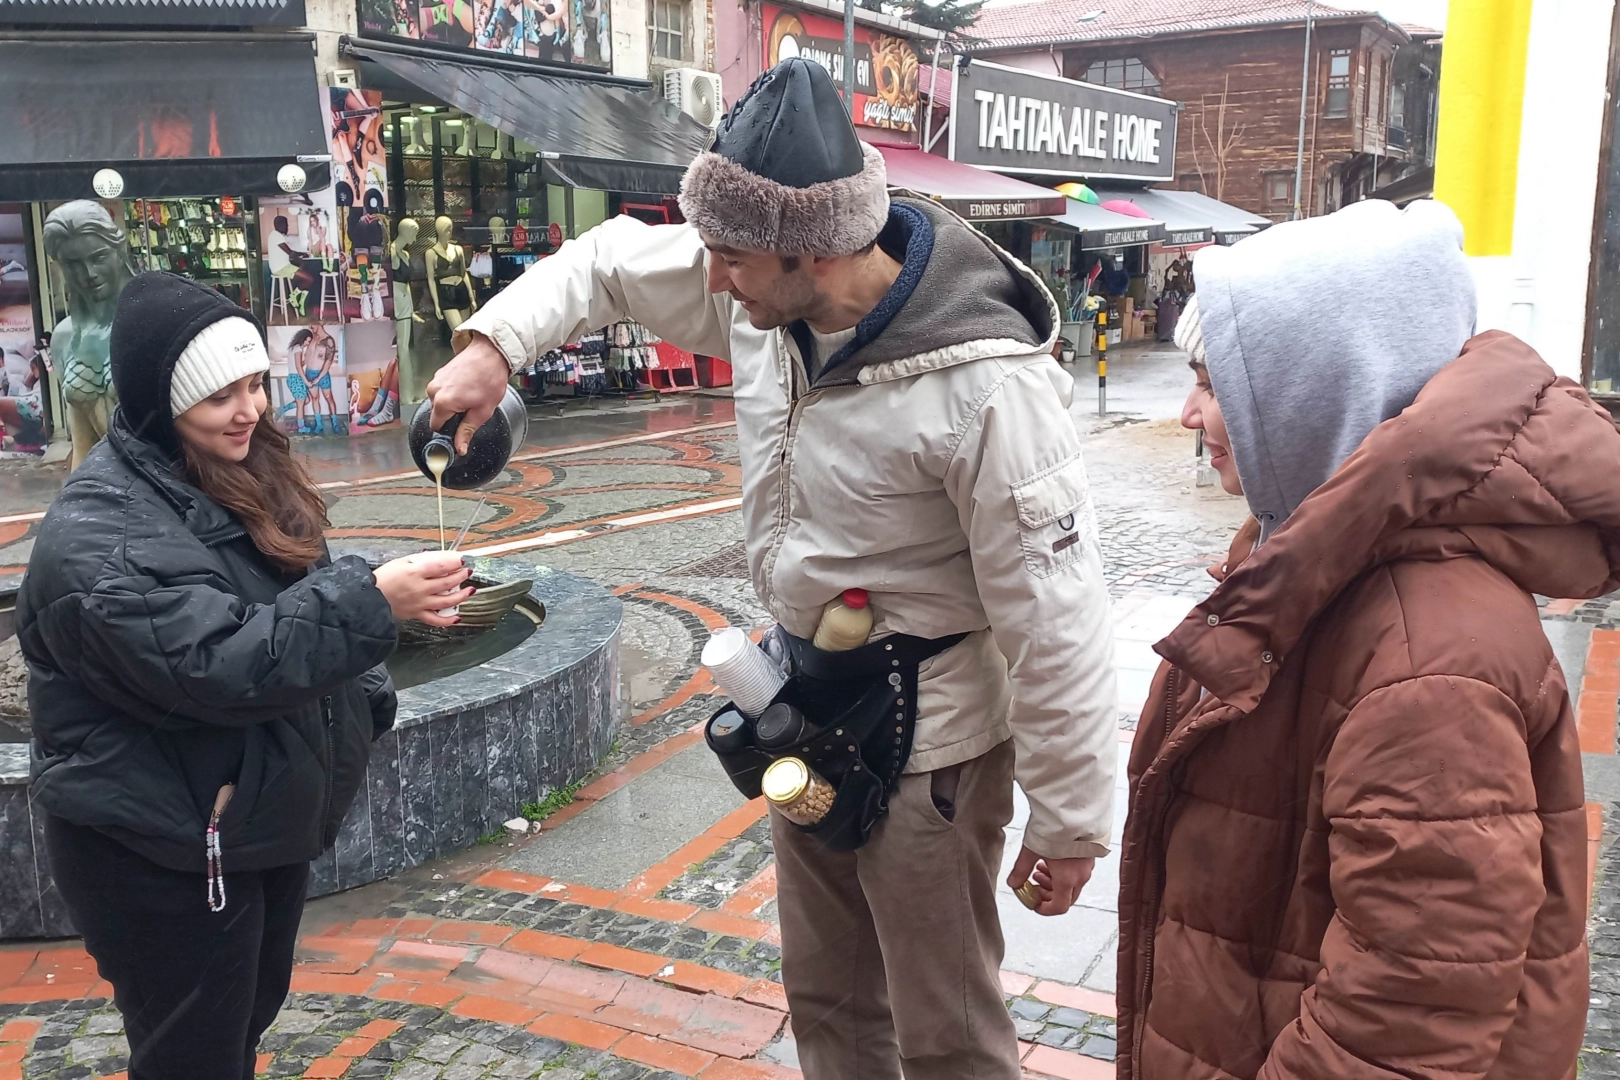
point(479, 967)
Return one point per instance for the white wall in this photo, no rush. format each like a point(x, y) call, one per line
point(629, 37)
point(1046, 63)
point(330, 19)
point(1539, 292)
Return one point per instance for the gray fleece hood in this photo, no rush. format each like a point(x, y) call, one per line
point(1315, 332)
point(959, 298)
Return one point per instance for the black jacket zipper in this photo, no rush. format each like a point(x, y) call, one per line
point(225, 538)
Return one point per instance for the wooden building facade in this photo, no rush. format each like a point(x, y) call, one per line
point(1371, 97)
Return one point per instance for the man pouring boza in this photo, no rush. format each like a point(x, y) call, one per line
point(904, 431)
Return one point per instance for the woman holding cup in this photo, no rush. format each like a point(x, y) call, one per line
point(204, 682)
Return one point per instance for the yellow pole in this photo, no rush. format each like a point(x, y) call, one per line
point(1102, 361)
point(1476, 170)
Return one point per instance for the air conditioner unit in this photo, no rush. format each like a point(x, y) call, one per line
point(696, 93)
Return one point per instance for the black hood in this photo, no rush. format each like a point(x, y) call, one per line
point(158, 316)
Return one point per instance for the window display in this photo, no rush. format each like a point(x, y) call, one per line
point(204, 239)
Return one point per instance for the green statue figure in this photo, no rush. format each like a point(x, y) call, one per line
point(90, 249)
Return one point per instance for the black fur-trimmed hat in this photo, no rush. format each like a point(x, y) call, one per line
point(787, 173)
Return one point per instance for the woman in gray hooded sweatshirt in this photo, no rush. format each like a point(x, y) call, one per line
point(1356, 844)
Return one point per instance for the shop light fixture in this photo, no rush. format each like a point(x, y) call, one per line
point(430, 109)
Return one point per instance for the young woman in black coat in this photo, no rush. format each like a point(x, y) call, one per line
point(204, 682)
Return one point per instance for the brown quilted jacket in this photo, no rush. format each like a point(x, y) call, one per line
point(1356, 845)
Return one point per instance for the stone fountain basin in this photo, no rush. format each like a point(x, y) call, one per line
point(467, 751)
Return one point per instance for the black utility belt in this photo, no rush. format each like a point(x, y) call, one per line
point(848, 717)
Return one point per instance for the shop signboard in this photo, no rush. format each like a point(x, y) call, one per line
point(167, 14)
point(885, 66)
point(1019, 121)
point(558, 31)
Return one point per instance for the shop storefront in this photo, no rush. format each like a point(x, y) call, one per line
point(174, 138)
point(1107, 259)
point(1191, 220)
point(487, 163)
point(1051, 130)
point(1009, 211)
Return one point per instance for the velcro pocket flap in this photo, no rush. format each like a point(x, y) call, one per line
point(1055, 493)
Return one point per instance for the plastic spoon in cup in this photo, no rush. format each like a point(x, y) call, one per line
point(462, 535)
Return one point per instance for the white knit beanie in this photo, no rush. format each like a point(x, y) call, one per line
point(223, 352)
point(1189, 335)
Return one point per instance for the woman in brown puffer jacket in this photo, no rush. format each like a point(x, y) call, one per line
point(1356, 845)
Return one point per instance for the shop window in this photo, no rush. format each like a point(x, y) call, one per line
point(1124, 74)
point(666, 29)
point(1338, 84)
point(1279, 189)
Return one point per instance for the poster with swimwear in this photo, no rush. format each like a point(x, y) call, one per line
point(309, 392)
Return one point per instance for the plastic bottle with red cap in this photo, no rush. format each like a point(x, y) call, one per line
point(846, 623)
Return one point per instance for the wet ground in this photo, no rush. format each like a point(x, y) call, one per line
point(635, 936)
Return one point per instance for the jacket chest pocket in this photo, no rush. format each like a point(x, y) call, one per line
point(1054, 517)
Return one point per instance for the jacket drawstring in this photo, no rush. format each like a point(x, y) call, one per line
point(212, 853)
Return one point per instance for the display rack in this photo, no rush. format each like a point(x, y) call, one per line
point(203, 239)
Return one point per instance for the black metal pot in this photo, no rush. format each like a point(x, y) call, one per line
point(488, 452)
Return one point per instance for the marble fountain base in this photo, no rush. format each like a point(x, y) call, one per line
point(467, 751)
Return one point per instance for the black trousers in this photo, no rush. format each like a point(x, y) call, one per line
point(196, 988)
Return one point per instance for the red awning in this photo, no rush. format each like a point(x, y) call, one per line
point(975, 194)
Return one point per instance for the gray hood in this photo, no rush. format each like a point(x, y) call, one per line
point(1317, 331)
point(959, 298)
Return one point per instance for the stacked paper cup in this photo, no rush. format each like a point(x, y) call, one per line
point(742, 670)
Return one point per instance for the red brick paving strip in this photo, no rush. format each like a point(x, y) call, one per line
point(571, 1029)
point(759, 891)
point(479, 1007)
point(19, 1030)
point(1050, 1061)
point(731, 1028)
point(729, 1069)
point(1600, 693)
point(1076, 997)
point(661, 1055)
point(702, 980)
point(543, 944)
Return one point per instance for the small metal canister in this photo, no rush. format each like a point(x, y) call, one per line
point(797, 790)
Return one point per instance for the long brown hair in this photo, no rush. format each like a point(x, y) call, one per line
point(278, 503)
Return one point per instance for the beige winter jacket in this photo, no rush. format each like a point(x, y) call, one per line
point(936, 466)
